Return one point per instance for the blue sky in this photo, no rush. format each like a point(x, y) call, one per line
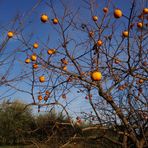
point(10, 8)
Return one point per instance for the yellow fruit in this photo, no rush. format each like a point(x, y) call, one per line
point(64, 61)
point(145, 10)
point(42, 79)
point(141, 81)
point(35, 66)
point(35, 45)
point(27, 61)
point(91, 34)
point(55, 21)
point(45, 98)
point(121, 87)
point(96, 76)
point(40, 98)
point(51, 51)
point(47, 92)
point(105, 10)
point(10, 34)
point(140, 25)
point(44, 18)
point(125, 33)
point(117, 61)
point(117, 13)
point(99, 42)
point(33, 57)
point(95, 18)
point(64, 68)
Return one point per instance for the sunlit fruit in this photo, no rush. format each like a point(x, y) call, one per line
point(141, 81)
point(121, 87)
point(64, 61)
point(139, 24)
point(44, 18)
point(64, 68)
point(42, 79)
point(35, 45)
point(10, 34)
point(95, 18)
point(96, 76)
point(51, 51)
point(117, 61)
point(125, 34)
point(47, 92)
point(45, 98)
point(35, 66)
point(105, 9)
point(40, 98)
point(91, 34)
point(145, 11)
point(55, 21)
point(64, 96)
point(99, 42)
point(27, 61)
point(117, 13)
point(33, 57)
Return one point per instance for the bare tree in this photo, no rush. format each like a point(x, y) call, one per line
point(103, 40)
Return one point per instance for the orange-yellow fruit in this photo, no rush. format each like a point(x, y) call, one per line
point(99, 42)
point(117, 61)
point(42, 79)
point(35, 45)
point(51, 51)
point(40, 98)
point(44, 18)
point(105, 9)
point(64, 96)
point(117, 13)
point(145, 10)
point(121, 87)
point(96, 76)
point(64, 61)
point(35, 66)
point(141, 81)
point(64, 68)
point(140, 25)
point(125, 34)
point(27, 61)
point(55, 21)
point(95, 18)
point(33, 57)
point(45, 98)
point(91, 34)
point(47, 92)
point(10, 34)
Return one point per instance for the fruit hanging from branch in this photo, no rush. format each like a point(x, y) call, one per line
point(117, 13)
point(44, 18)
point(55, 21)
point(105, 9)
point(95, 18)
point(96, 76)
point(42, 79)
point(33, 57)
point(10, 34)
point(125, 34)
point(35, 45)
point(27, 61)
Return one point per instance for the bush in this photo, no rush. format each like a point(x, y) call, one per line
point(16, 121)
